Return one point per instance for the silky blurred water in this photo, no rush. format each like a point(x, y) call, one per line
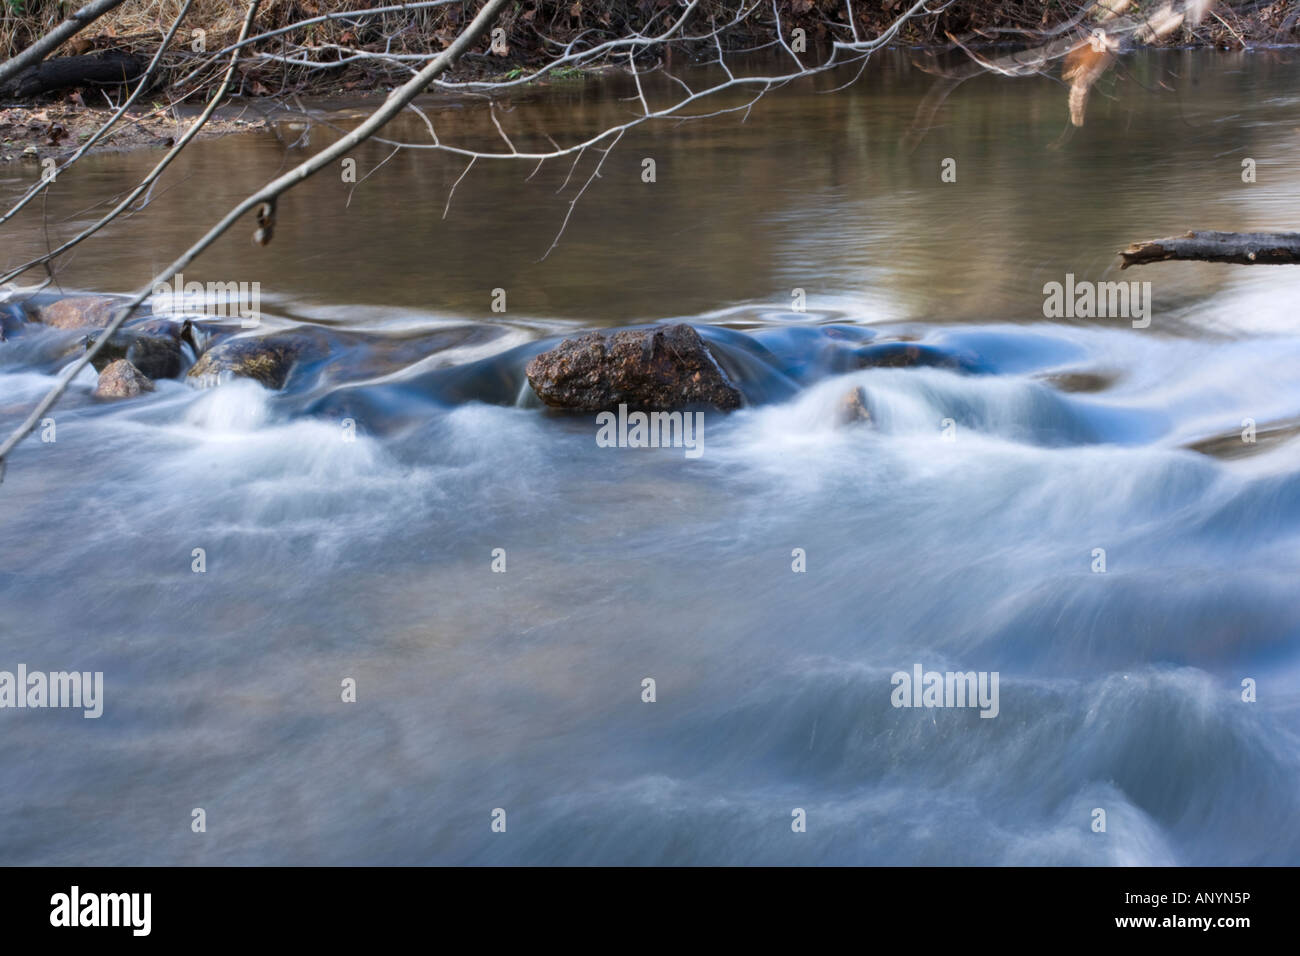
point(372, 559)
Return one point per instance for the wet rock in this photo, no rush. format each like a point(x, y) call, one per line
point(805, 353)
point(369, 356)
point(203, 334)
point(852, 407)
point(267, 360)
point(154, 347)
point(912, 355)
point(1081, 381)
point(661, 369)
point(78, 312)
point(121, 379)
point(1242, 443)
point(13, 320)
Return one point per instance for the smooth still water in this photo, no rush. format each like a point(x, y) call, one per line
point(522, 690)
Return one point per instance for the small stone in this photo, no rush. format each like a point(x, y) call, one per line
point(852, 407)
point(121, 379)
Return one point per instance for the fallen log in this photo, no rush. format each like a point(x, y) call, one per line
point(1243, 248)
point(74, 24)
point(108, 68)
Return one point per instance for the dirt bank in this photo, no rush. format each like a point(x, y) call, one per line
point(57, 130)
point(323, 51)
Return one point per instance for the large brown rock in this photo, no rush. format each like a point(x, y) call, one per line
point(661, 369)
point(78, 312)
point(121, 379)
point(267, 360)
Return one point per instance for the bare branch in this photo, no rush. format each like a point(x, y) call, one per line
point(145, 80)
point(264, 198)
point(153, 175)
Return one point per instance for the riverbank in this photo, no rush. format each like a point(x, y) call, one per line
point(57, 130)
point(316, 49)
point(331, 56)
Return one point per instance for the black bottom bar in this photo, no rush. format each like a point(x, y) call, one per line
point(338, 905)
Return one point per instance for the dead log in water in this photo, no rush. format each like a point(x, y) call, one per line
point(1243, 248)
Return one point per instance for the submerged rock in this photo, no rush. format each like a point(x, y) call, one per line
point(203, 334)
point(78, 312)
point(912, 355)
point(852, 407)
point(121, 379)
point(13, 320)
point(267, 360)
point(1081, 381)
point(153, 347)
point(661, 369)
point(1241, 443)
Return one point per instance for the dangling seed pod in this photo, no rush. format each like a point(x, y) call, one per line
point(265, 223)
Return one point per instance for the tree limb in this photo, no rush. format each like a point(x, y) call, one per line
point(1243, 248)
point(264, 198)
point(145, 80)
point(154, 173)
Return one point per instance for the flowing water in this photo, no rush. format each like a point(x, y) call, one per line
point(958, 531)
